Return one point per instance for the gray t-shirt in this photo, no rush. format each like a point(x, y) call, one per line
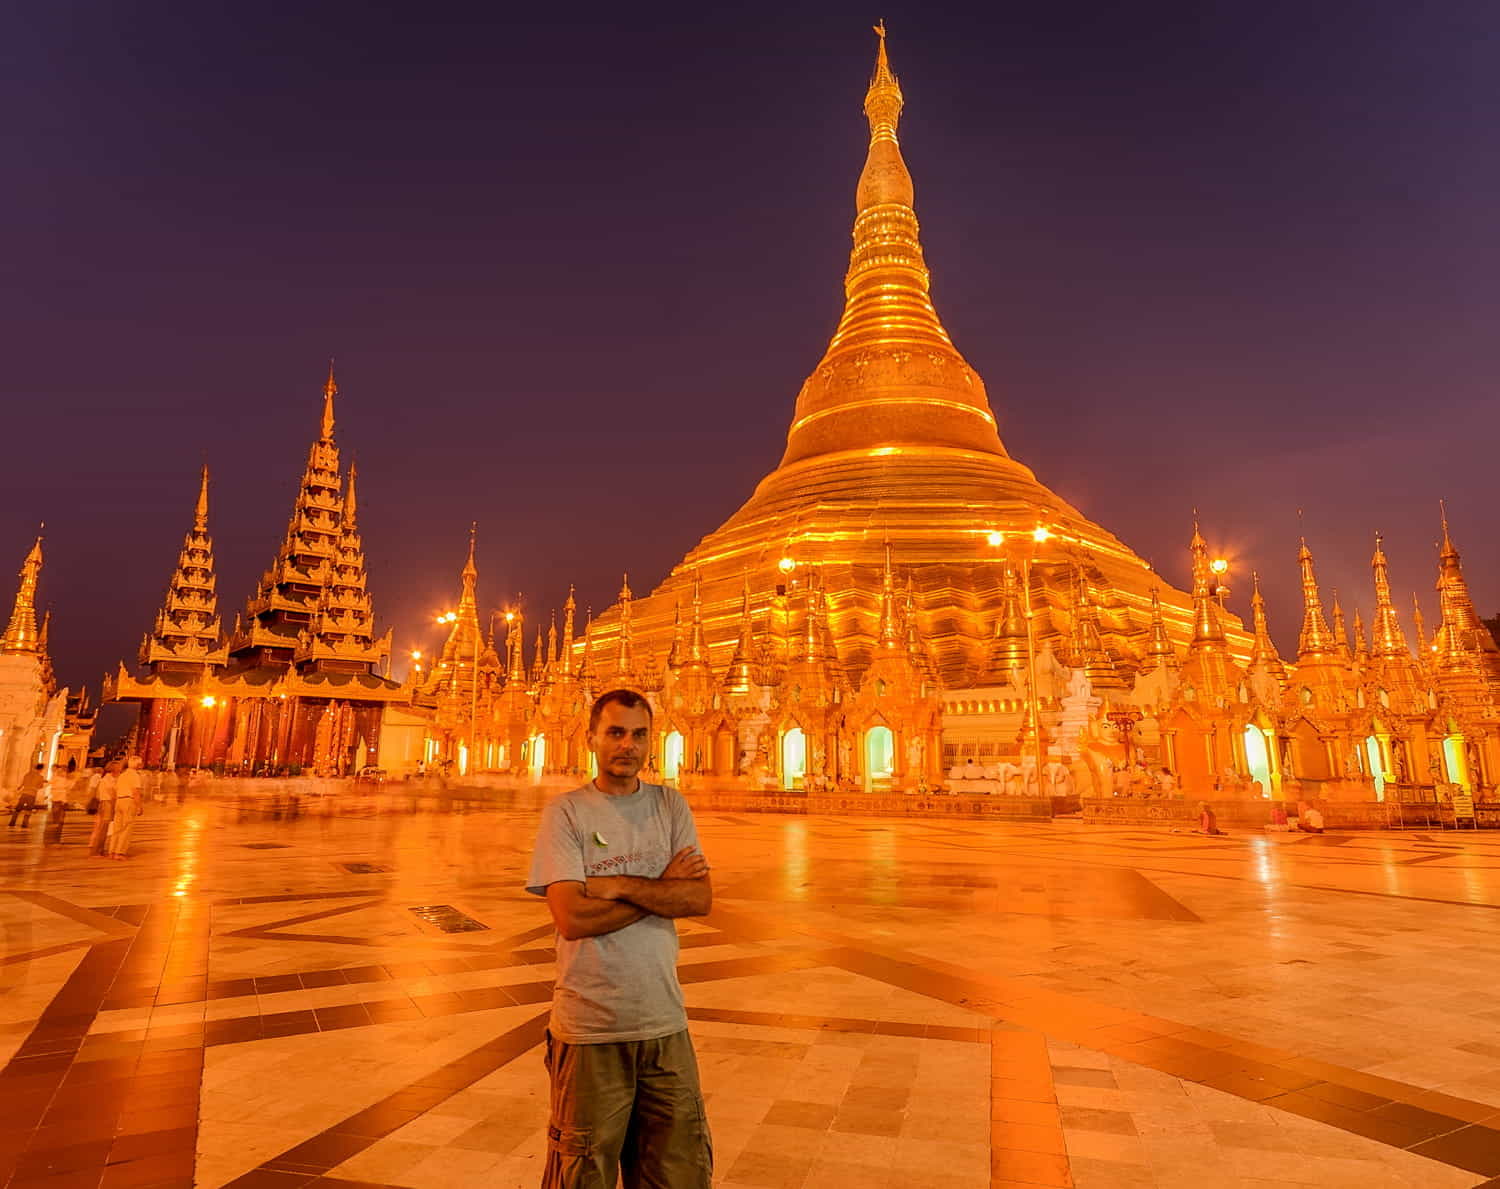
point(621, 986)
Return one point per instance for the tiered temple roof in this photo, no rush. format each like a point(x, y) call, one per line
point(187, 636)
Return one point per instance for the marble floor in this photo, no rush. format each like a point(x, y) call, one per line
point(250, 1001)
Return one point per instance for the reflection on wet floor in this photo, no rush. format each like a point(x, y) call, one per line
point(255, 998)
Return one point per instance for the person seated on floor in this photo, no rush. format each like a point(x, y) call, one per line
point(1207, 822)
point(1309, 818)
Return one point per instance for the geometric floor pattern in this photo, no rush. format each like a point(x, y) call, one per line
point(874, 1002)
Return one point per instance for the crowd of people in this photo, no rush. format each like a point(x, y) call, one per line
point(114, 796)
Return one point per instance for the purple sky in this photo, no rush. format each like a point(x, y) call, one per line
point(1240, 256)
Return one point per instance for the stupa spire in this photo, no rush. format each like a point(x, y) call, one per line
point(1361, 645)
point(186, 634)
point(697, 652)
point(1387, 638)
point(1463, 642)
point(1208, 632)
point(624, 658)
point(200, 511)
point(674, 653)
point(515, 646)
point(1264, 652)
point(741, 675)
point(330, 390)
point(1340, 629)
point(342, 630)
point(890, 618)
point(21, 633)
point(1159, 649)
point(890, 372)
point(1315, 640)
point(457, 673)
point(569, 609)
point(1419, 626)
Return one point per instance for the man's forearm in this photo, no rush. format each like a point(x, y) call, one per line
point(590, 917)
point(660, 897)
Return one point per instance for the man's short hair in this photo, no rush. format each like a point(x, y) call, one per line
point(627, 698)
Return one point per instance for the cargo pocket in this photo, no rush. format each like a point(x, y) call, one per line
point(571, 1163)
point(571, 1141)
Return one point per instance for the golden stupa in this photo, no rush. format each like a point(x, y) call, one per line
point(893, 442)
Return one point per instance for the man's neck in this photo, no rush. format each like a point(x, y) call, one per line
point(613, 786)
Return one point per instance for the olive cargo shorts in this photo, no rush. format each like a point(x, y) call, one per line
point(632, 1108)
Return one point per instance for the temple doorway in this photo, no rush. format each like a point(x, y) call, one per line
point(793, 758)
point(671, 757)
point(538, 756)
point(880, 755)
point(1258, 758)
point(1376, 765)
point(1456, 762)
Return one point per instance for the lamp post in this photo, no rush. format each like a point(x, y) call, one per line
point(1040, 535)
point(1220, 567)
point(208, 702)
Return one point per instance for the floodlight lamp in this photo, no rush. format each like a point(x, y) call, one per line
point(786, 565)
point(1041, 534)
point(996, 538)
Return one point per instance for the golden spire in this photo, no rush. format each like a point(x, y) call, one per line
point(1419, 625)
point(1463, 642)
point(200, 513)
point(697, 653)
point(1008, 647)
point(538, 658)
point(674, 653)
point(890, 372)
point(569, 608)
point(1315, 640)
point(516, 647)
point(553, 655)
point(624, 658)
point(469, 574)
point(1093, 657)
point(330, 390)
point(456, 675)
point(1340, 630)
point(812, 643)
point(1387, 638)
point(1361, 647)
point(915, 652)
point(21, 632)
point(1208, 632)
point(741, 675)
point(890, 621)
point(585, 665)
point(186, 634)
point(1264, 653)
point(1159, 650)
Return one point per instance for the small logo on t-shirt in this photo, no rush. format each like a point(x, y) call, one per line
point(599, 839)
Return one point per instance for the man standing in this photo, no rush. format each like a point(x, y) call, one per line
point(26, 795)
point(618, 860)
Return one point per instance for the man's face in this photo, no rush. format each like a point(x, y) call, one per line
point(622, 739)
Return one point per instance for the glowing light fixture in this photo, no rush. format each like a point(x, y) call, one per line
point(1219, 565)
point(208, 701)
point(1041, 533)
point(786, 565)
point(996, 538)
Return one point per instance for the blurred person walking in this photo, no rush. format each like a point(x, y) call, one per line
point(129, 801)
point(105, 814)
point(27, 794)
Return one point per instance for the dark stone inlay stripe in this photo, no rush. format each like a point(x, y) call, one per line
point(448, 919)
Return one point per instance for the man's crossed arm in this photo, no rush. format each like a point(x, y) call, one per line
point(605, 903)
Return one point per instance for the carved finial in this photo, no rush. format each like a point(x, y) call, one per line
point(200, 513)
point(330, 390)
